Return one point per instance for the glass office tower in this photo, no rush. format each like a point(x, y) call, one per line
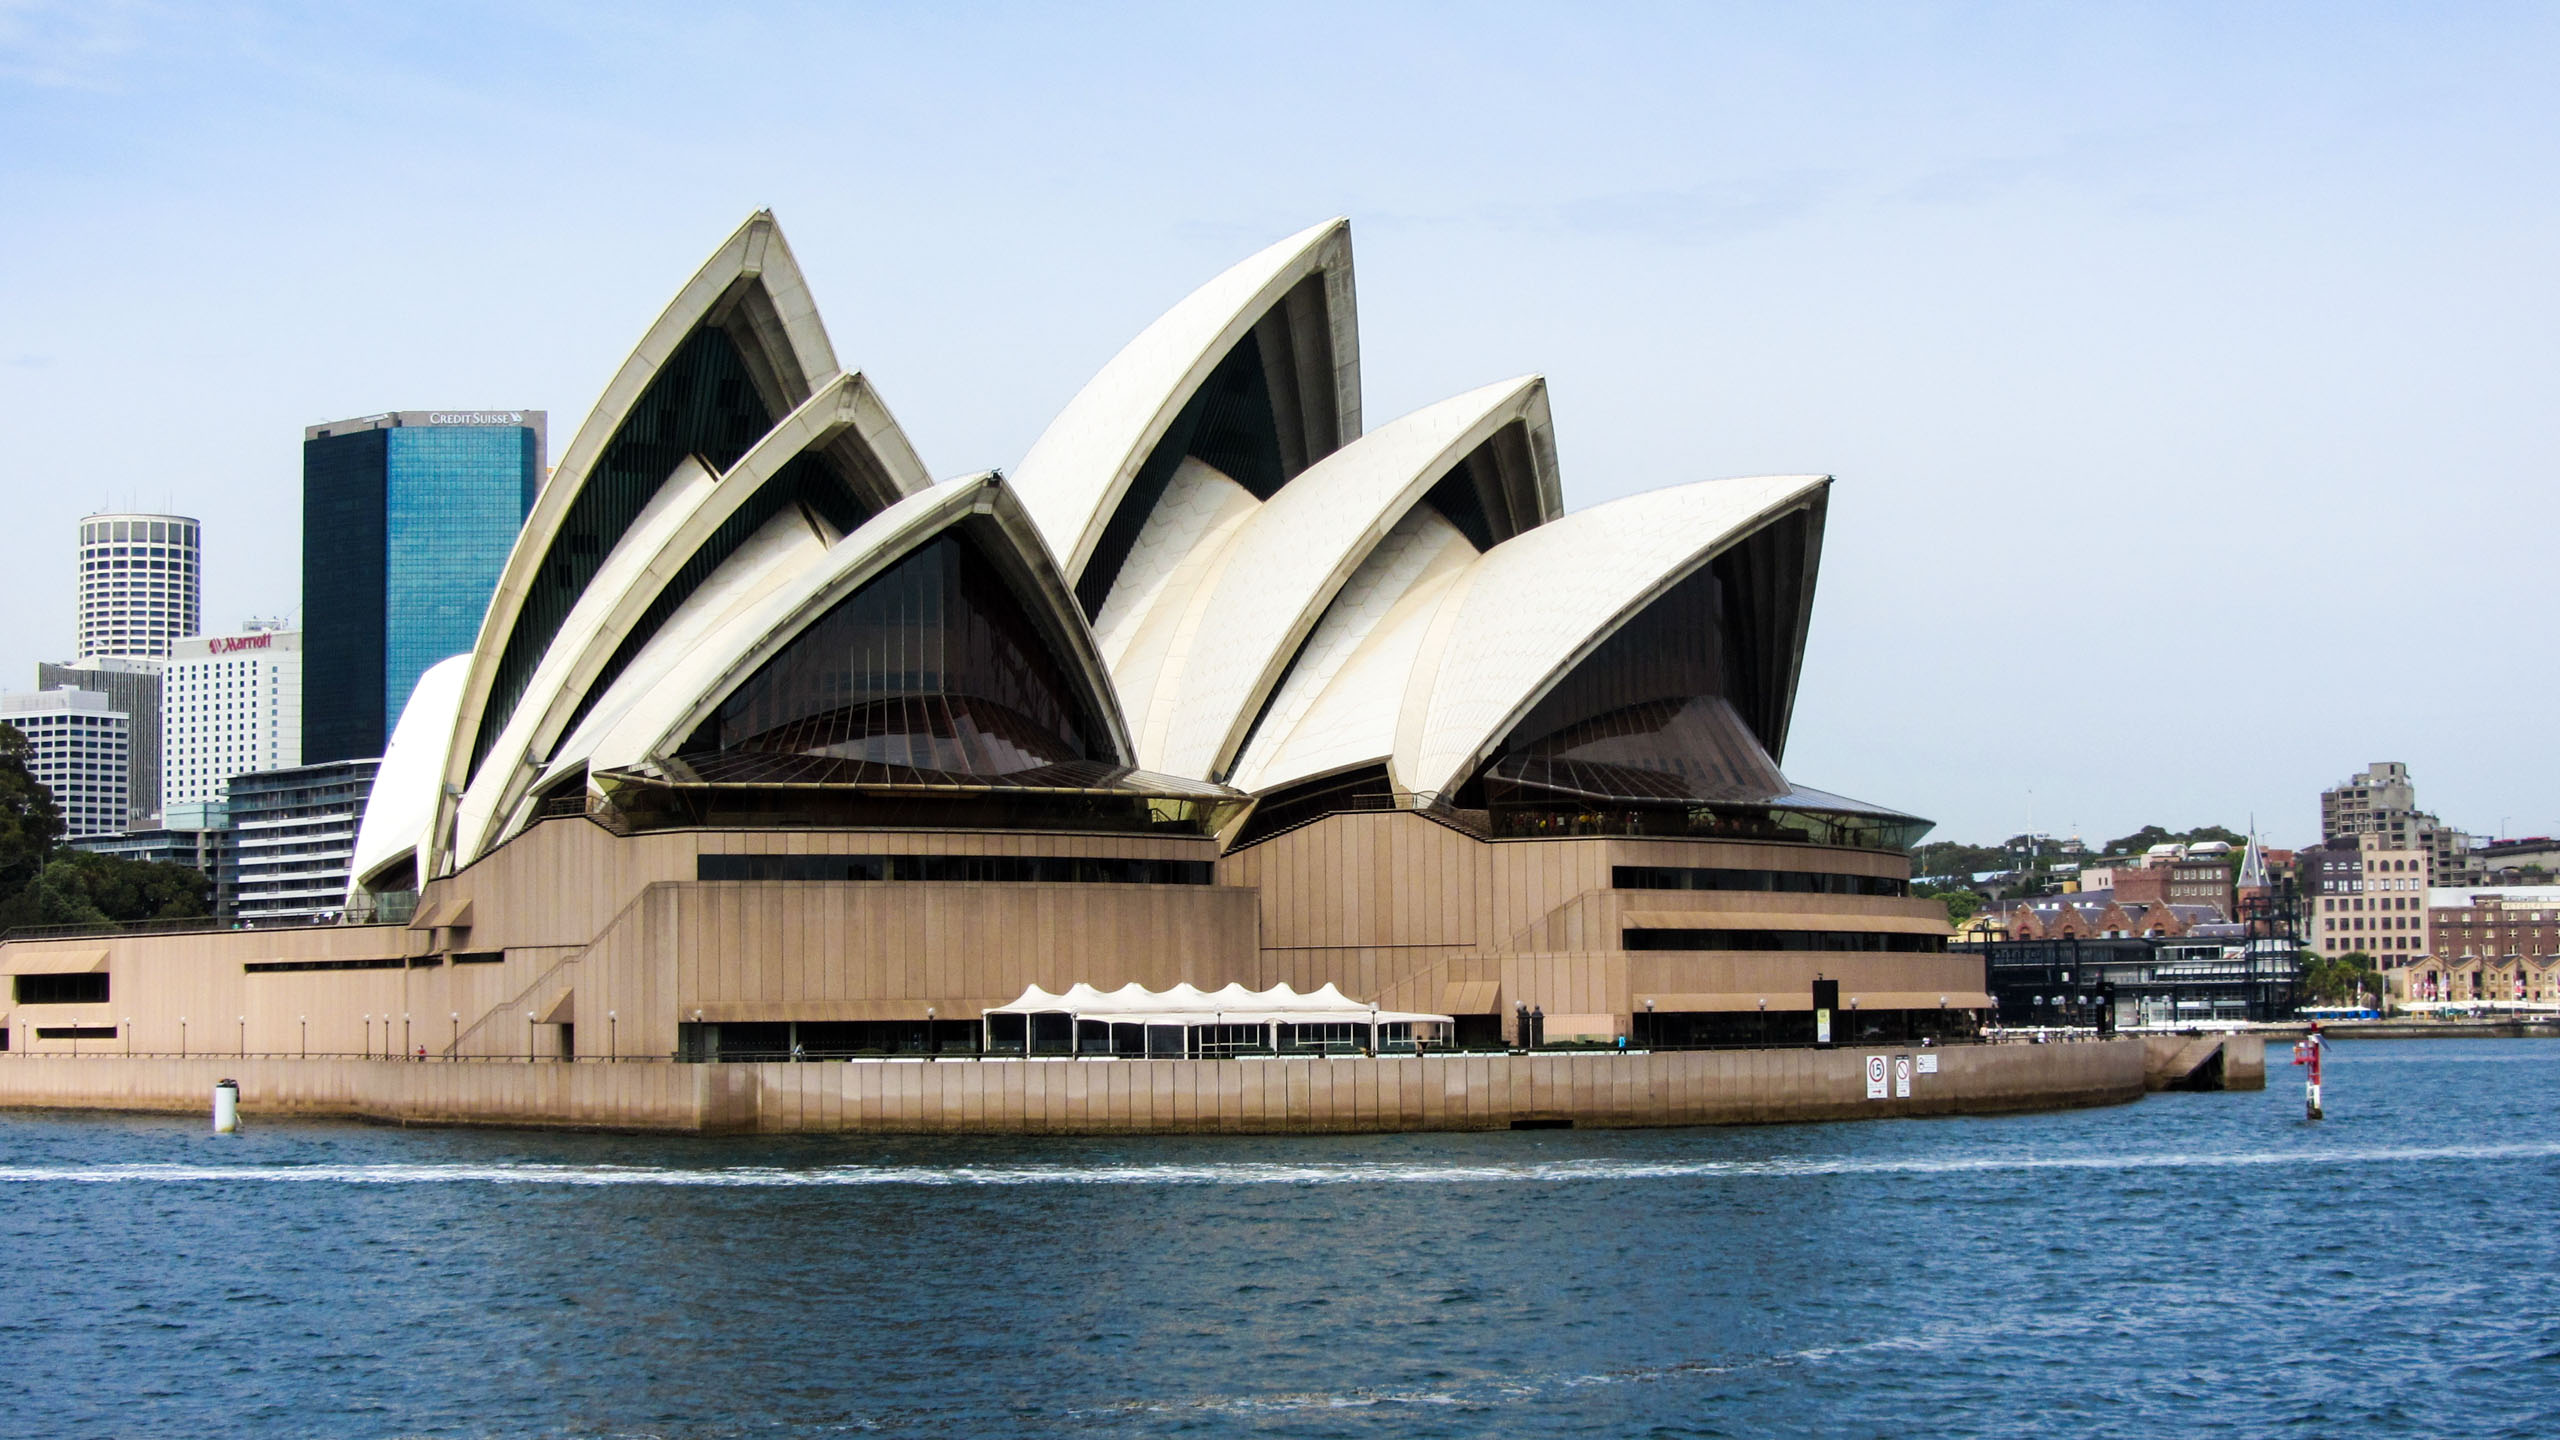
point(407, 519)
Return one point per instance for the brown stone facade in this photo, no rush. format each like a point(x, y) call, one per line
point(575, 941)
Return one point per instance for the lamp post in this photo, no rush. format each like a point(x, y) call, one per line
point(612, 1037)
point(368, 1033)
point(1650, 1039)
point(306, 1037)
point(929, 1046)
point(182, 1037)
point(128, 1037)
point(404, 1032)
point(528, 1037)
point(457, 1035)
point(1764, 1022)
point(244, 1037)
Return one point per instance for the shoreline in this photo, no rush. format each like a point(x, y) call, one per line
point(1099, 1096)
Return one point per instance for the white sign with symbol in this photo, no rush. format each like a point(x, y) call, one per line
point(1875, 1077)
point(1928, 1064)
point(1901, 1077)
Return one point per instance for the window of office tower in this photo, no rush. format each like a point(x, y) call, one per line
point(454, 498)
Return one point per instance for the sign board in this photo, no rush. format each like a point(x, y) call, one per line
point(1821, 1027)
point(1901, 1077)
point(1875, 1077)
point(1928, 1064)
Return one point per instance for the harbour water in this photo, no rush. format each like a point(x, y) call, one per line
point(2193, 1263)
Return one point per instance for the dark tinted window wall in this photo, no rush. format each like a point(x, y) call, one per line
point(344, 530)
point(933, 666)
point(703, 403)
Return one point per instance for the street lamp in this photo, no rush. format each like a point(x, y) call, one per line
point(612, 1040)
point(528, 1037)
point(368, 1033)
point(930, 1049)
point(244, 1037)
point(128, 1036)
point(182, 1037)
point(457, 1035)
point(306, 1037)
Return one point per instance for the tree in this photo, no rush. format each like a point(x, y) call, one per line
point(29, 822)
point(1962, 904)
point(80, 888)
point(2150, 835)
point(43, 884)
point(1953, 858)
point(2336, 981)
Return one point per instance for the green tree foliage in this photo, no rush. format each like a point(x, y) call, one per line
point(2335, 981)
point(1962, 904)
point(1949, 857)
point(29, 822)
point(42, 883)
point(2150, 835)
point(79, 888)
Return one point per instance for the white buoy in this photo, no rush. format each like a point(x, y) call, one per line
point(226, 1107)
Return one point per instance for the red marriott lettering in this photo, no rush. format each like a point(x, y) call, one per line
point(225, 644)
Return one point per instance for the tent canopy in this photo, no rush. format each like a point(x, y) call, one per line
point(1186, 1004)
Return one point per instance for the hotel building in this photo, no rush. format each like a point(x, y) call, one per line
point(234, 706)
point(407, 518)
point(770, 743)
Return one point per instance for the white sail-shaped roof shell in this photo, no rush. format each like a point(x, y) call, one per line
point(786, 549)
point(1338, 707)
point(1076, 473)
point(1535, 606)
point(1273, 579)
point(402, 803)
point(1442, 654)
point(671, 531)
point(691, 688)
point(753, 281)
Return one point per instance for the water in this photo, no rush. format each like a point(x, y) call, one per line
point(2192, 1261)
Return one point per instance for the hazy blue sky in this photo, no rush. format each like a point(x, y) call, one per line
point(2188, 371)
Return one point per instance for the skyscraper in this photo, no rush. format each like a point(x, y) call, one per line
point(141, 584)
point(407, 519)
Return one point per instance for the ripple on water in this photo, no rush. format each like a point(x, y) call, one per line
point(2193, 1261)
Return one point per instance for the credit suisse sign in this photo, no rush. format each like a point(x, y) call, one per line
point(475, 417)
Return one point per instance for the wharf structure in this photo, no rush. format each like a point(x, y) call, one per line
point(771, 744)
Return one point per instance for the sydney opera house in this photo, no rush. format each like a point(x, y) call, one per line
point(772, 743)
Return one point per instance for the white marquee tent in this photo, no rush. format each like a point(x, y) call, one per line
point(1325, 1012)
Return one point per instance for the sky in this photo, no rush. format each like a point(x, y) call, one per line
point(2187, 372)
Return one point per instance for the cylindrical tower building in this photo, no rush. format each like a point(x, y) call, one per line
point(141, 585)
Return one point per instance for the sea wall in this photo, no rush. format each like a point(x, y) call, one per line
point(1250, 1096)
point(2220, 1061)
